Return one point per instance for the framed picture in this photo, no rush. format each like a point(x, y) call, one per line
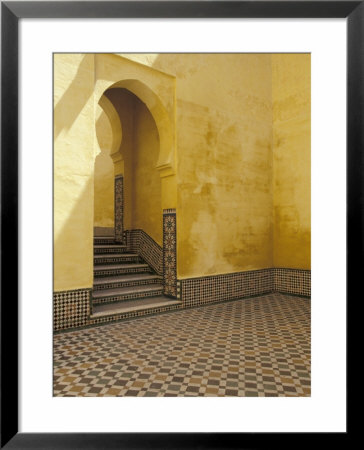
point(28, 85)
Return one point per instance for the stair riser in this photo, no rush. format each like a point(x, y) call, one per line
point(105, 273)
point(110, 250)
point(121, 284)
point(125, 297)
point(103, 241)
point(117, 259)
point(134, 314)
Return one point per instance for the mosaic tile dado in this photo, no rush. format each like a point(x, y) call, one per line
point(292, 281)
point(210, 289)
point(170, 252)
point(119, 207)
point(138, 241)
point(71, 309)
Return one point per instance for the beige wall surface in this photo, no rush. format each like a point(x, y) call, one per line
point(224, 160)
point(291, 81)
point(147, 208)
point(104, 173)
point(235, 161)
point(74, 135)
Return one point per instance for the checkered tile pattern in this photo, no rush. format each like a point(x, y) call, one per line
point(292, 281)
point(119, 207)
point(211, 289)
point(251, 347)
point(138, 241)
point(71, 309)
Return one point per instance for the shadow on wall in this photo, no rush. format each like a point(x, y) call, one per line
point(73, 254)
point(103, 173)
point(73, 179)
point(74, 182)
point(76, 95)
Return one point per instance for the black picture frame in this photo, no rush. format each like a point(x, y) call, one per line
point(11, 12)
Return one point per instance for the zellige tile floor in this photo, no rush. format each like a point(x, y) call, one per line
point(251, 347)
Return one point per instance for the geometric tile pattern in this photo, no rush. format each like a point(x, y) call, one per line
point(138, 241)
point(210, 289)
point(71, 309)
point(131, 239)
point(119, 207)
point(169, 253)
point(292, 281)
point(255, 347)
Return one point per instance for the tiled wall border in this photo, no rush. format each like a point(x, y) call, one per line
point(138, 241)
point(292, 281)
point(170, 253)
point(211, 289)
point(119, 207)
point(71, 309)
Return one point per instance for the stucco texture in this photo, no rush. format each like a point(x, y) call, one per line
point(223, 138)
point(291, 81)
point(74, 136)
point(104, 173)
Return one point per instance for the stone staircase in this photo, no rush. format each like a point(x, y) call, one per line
point(124, 283)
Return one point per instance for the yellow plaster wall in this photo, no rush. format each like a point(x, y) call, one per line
point(147, 209)
point(74, 135)
point(104, 173)
point(241, 127)
point(291, 94)
point(224, 160)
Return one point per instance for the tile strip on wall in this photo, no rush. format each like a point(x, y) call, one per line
point(211, 289)
point(170, 253)
point(119, 207)
point(292, 281)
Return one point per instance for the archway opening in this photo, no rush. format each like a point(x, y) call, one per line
point(134, 165)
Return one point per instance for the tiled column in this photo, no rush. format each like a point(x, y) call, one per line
point(169, 253)
point(119, 208)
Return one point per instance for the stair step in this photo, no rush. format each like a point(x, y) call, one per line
point(131, 307)
point(112, 257)
point(105, 240)
point(127, 293)
point(109, 248)
point(137, 279)
point(118, 269)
